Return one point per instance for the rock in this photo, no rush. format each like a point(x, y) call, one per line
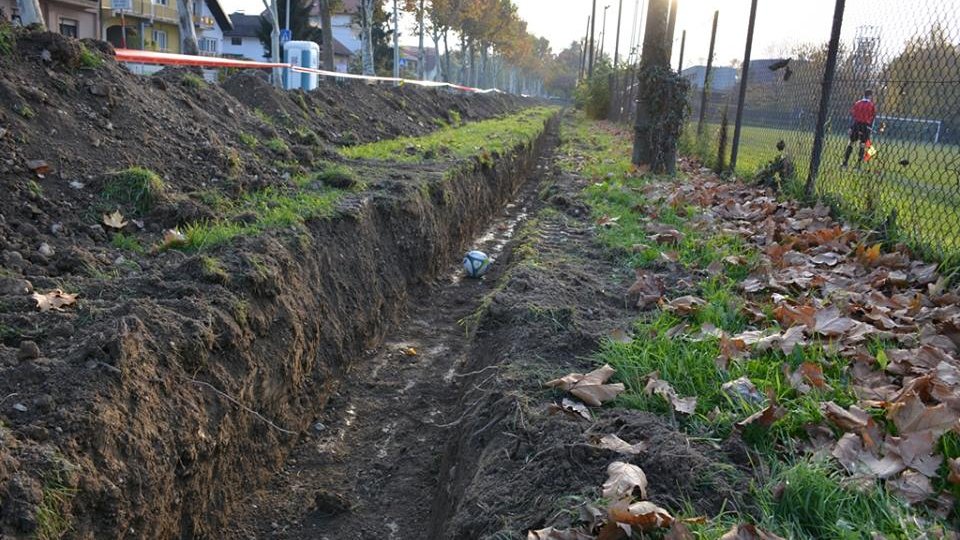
point(76, 185)
point(15, 286)
point(97, 232)
point(27, 229)
point(20, 407)
point(13, 259)
point(28, 350)
point(39, 166)
point(100, 90)
point(45, 250)
point(319, 426)
point(56, 228)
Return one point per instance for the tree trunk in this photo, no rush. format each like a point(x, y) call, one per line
point(30, 12)
point(473, 64)
point(463, 59)
point(188, 33)
point(436, 47)
point(326, 26)
point(366, 36)
point(484, 66)
point(446, 53)
point(421, 57)
point(654, 54)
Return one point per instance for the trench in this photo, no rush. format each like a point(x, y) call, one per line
point(369, 464)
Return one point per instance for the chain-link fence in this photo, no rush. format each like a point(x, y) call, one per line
point(889, 149)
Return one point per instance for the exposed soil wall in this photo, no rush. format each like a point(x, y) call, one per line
point(173, 389)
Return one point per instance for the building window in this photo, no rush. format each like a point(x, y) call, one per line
point(160, 2)
point(68, 27)
point(207, 45)
point(160, 40)
point(236, 41)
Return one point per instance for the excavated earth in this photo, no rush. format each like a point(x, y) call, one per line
point(170, 391)
point(335, 380)
point(458, 440)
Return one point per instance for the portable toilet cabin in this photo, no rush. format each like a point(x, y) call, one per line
point(304, 54)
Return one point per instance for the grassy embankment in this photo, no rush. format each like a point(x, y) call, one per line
point(819, 502)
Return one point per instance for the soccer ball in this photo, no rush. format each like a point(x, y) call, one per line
point(476, 263)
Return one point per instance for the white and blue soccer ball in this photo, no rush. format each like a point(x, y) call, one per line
point(476, 263)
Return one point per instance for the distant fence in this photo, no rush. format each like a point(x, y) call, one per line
point(906, 53)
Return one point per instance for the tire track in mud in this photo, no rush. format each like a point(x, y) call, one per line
point(369, 467)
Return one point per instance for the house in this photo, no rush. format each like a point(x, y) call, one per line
point(345, 27)
point(74, 18)
point(154, 24)
point(342, 56)
point(243, 40)
point(211, 22)
point(722, 78)
point(409, 58)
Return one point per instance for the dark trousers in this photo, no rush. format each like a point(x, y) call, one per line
point(859, 131)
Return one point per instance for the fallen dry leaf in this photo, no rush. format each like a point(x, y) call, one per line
point(551, 533)
point(765, 417)
point(624, 480)
point(54, 300)
point(643, 515)
point(748, 531)
point(742, 389)
point(620, 446)
point(807, 376)
point(660, 387)
point(684, 305)
point(114, 220)
point(647, 288)
point(619, 335)
point(590, 387)
point(830, 323)
point(954, 465)
point(571, 407)
point(911, 486)
point(608, 221)
point(173, 238)
point(678, 531)
point(912, 416)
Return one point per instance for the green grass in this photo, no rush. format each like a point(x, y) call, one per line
point(478, 139)
point(816, 502)
point(89, 59)
point(52, 520)
point(924, 194)
point(6, 39)
point(338, 175)
point(273, 208)
point(277, 145)
point(248, 140)
point(195, 82)
point(126, 242)
point(35, 187)
point(136, 186)
point(213, 269)
point(24, 110)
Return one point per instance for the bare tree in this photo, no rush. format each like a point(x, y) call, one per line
point(326, 26)
point(366, 36)
point(188, 33)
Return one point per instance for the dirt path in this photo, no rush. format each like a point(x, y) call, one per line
point(369, 467)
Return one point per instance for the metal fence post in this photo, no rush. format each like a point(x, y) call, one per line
point(706, 76)
point(827, 87)
point(744, 77)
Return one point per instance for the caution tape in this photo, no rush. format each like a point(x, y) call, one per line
point(170, 59)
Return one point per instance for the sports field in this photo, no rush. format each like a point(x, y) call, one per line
point(921, 182)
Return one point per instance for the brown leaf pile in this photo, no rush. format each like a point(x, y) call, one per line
point(832, 284)
point(54, 300)
point(591, 388)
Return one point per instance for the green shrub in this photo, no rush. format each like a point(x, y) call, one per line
point(193, 81)
point(88, 58)
point(277, 145)
point(593, 94)
point(126, 242)
point(248, 140)
point(6, 39)
point(338, 176)
point(135, 186)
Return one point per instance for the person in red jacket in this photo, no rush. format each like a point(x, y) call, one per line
point(863, 113)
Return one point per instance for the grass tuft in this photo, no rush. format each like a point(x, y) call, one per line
point(89, 59)
point(126, 242)
point(136, 186)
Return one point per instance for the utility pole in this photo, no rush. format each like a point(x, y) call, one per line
point(603, 32)
point(706, 76)
point(827, 88)
point(396, 40)
point(683, 45)
point(616, 47)
point(593, 27)
point(744, 78)
point(633, 30)
point(286, 23)
point(583, 52)
point(274, 38)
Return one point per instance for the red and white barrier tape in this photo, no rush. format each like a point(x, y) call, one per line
point(169, 59)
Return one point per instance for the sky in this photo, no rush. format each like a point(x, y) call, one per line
point(779, 23)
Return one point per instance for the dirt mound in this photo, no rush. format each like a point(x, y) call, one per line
point(157, 398)
point(349, 112)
